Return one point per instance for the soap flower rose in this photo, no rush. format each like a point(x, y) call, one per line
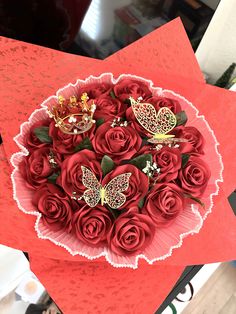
point(131, 233)
point(91, 224)
point(36, 167)
point(167, 159)
point(94, 90)
point(164, 203)
point(71, 175)
point(55, 206)
point(118, 142)
point(66, 144)
point(195, 141)
point(194, 176)
point(138, 184)
point(31, 141)
point(128, 87)
point(108, 108)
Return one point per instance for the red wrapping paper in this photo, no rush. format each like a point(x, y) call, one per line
point(167, 50)
point(100, 288)
point(29, 74)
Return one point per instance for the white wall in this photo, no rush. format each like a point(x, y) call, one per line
point(217, 49)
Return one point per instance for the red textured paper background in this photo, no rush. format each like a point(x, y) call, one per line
point(100, 288)
point(29, 74)
point(166, 50)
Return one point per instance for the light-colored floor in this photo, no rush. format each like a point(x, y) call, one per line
point(218, 295)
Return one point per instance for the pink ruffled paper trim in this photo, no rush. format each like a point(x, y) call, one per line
point(165, 239)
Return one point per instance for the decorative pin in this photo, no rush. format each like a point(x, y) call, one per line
point(73, 116)
point(110, 194)
point(158, 124)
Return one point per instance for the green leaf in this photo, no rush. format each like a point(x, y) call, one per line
point(141, 161)
point(53, 177)
point(145, 141)
point(85, 144)
point(42, 133)
point(181, 118)
point(107, 165)
point(99, 122)
point(112, 94)
point(115, 212)
point(185, 158)
point(197, 200)
point(141, 202)
point(127, 101)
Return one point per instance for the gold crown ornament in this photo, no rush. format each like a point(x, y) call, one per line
point(73, 116)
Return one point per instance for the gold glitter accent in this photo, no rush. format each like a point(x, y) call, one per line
point(73, 116)
point(110, 194)
point(158, 124)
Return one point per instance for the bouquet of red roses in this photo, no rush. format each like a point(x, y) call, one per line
point(116, 168)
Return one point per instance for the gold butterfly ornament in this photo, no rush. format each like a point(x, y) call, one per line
point(110, 194)
point(158, 124)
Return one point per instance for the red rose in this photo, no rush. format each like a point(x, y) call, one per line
point(131, 233)
point(117, 142)
point(131, 88)
point(138, 184)
point(94, 90)
point(70, 178)
point(30, 140)
point(91, 225)
point(65, 143)
point(160, 102)
point(194, 176)
point(35, 168)
point(108, 107)
point(164, 203)
point(195, 143)
point(55, 207)
point(168, 159)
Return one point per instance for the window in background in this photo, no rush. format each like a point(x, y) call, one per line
point(109, 26)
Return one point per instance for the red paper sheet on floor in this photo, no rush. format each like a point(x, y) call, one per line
point(29, 74)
